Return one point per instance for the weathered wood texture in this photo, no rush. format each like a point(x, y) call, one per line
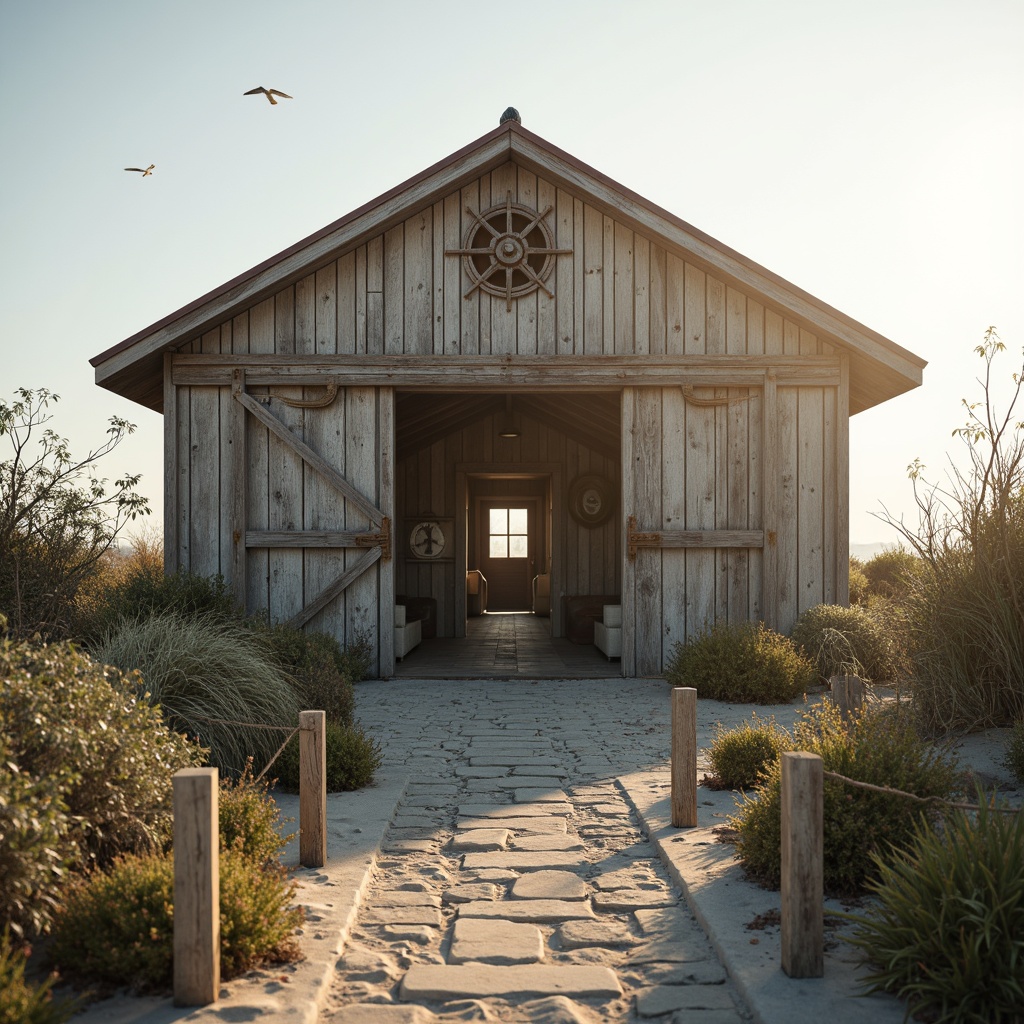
point(312, 789)
point(684, 756)
point(239, 484)
point(196, 887)
point(772, 458)
point(619, 292)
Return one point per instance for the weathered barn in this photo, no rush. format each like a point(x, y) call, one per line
point(511, 364)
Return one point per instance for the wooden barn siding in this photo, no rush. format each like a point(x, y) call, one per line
point(618, 293)
point(282, 493)
point(426, 482)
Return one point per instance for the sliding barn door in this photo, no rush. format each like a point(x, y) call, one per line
point(287, 492)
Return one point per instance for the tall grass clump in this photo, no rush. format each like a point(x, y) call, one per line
point(946, 932)
point(743, 662)
point(212, 680)
point(965, 609)
point(878, 747)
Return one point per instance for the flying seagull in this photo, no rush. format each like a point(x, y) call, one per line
point(144, 171)
point(269, 93)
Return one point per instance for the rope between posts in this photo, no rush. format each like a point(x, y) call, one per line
point(257, 725)
point(914, 796)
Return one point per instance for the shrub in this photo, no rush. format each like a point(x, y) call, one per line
point(75, 729)
point(877, 747)
point(212, 680)
point(947, 934)
point(249, 818)
point(964, 607)
point(741, 662)
point(56, 518)
point(22, 1002)
point(892, 573)
point(352, 759)
point(1014, 758)
point(33, 824)
point(858, 582)
point(143, 591)
point(357, 657)
point(740, 757)
point(845, 641)
point(128, 914)
point(316, 664)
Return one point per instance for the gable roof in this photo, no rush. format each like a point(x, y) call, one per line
point(879, 368)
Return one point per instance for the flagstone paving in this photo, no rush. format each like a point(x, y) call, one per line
point(515, 883)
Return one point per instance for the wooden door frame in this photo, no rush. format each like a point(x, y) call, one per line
point(554, 472)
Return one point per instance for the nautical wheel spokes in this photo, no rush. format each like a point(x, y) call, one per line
point(508, 251)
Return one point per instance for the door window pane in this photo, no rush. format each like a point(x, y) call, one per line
point(508, 536)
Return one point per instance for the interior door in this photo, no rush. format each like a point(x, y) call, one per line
point(507, 545)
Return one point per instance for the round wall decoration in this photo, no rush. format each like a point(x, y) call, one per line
point(591, 499)
point(508, 251)
point(427, 539)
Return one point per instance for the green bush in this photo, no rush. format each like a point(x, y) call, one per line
point(1014, 758)
point(21, 1001)
point(739, 757)
point(212, 680)
point(845, 641)
point(878, 747)
point(33, 851)
point(859, 589)
point(317, 665)
point(145, 591)
point(352, 759)
point(249, 819)
point(947, 932)
point(743, 663)
point(128, 914)
point(892, 573)
point(73, 735)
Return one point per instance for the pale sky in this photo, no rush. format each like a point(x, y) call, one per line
point(869, 152)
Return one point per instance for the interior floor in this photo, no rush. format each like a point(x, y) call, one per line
point(500, 645)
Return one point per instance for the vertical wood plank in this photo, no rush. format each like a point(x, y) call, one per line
point(469, 319)
point(658, 301)
point(305, 315)
point(684, 757)
point(593, 286)
point(627, 417)
point(842, 499)
point(567, 279)
point(285, 470)
point(183, 446)
point(810, 490)
point(770, 503)
point(418, 283)
point(326, 283)
point(360, 601)
point(196, 887)
point(345, 328)
point(715, 297)
point(547, 325)
point(312, 789)
point(700, 515)
point(204, 481)
point(171, 498)
point(673, 477)
point(375, 296)
point(802, 926)
point(623, 316)
point(788, 522)
point(694, 318)
point(239, 491)
point(647, 462)
point(384, 626)
point(676, 284)
point(394, 290)
point(641, 295)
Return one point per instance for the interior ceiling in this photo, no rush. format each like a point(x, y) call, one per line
point(590, 418)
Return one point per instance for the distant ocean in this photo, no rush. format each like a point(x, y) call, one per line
point(867, 551)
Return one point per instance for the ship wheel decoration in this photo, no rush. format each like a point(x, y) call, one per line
point(508, 251)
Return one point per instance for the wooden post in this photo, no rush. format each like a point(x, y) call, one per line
point(684, 757)
point(196, 887)
point(847, 692)
point(312, 789)
point(803, 953)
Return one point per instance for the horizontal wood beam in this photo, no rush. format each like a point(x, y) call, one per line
point(496, 373)
point(304, 539)
point(636, 538)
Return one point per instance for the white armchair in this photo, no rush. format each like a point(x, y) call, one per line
point(407, 633)
point(608, 632)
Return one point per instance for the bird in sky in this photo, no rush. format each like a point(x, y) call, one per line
point(269, 93)
point(144, 171)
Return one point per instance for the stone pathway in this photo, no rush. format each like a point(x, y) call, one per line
point(515, 883)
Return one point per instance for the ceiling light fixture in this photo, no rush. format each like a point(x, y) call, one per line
point(508, 426)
